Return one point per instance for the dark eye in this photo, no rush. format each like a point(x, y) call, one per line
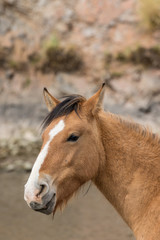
point(72, 138)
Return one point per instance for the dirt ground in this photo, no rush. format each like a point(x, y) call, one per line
point(88, 217)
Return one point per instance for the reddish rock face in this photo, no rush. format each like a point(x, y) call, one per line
point(102, 12)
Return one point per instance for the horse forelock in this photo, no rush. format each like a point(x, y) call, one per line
point(69, 104)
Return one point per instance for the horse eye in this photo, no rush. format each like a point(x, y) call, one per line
point(72, 138)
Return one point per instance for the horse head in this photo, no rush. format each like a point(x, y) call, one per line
point(70, 153)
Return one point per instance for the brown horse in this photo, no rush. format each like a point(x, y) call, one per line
point(80, 143)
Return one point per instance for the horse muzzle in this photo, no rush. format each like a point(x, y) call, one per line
point(46, 207)
point(40, 196)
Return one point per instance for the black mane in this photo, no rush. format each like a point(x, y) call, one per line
point(69, 104)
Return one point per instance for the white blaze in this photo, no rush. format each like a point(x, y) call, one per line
point(33, 178)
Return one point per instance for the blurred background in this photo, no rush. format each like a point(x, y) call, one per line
point(70, 47)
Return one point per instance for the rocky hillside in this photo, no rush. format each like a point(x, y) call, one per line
point(72, 46)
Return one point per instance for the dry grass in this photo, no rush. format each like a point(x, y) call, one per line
point(149, 12)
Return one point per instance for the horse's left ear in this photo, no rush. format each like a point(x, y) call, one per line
point(50, 101)
point(94, 104)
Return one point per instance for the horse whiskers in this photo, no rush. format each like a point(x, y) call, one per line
point(87, 189)
point(61, 204)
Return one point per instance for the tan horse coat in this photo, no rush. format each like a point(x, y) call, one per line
point(122, 158)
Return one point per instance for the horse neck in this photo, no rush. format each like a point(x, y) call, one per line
point(123, 176)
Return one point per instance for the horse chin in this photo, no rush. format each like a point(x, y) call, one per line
point(50, 207)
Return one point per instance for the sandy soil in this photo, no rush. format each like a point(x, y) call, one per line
point(88, 217)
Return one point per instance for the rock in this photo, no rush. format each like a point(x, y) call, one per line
point(128, 17)
point(10, 167)
point(29, 136)
point(1, 8)
point(9, 74)
point(118, 36)
point(126, 91)
point(27, 166)
point(102, 12)
point(5, 25)
point(62, 28)
point(112, 23)
point(41, 3)
point(89, 32)
point(68, 16)
point(64, 84)
point(10, 2)
point(150, 83)
point(14, 150)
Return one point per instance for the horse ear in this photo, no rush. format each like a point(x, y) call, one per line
point(50, 101)
point(94, 104)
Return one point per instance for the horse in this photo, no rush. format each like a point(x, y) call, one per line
point(82, 142)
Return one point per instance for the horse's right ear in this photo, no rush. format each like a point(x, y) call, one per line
point(50, 101)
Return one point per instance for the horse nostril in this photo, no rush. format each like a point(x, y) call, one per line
point(43, 189)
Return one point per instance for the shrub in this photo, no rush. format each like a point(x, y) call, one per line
point(149, 57)
point(60, 59)
point(149, 12)
point(137, 55)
